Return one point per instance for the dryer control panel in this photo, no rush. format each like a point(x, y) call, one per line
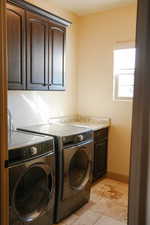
point(77, 139)
point(30, 152)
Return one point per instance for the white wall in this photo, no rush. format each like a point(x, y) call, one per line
point(98, 34)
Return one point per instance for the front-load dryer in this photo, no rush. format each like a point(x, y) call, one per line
point(76, 174)
point(31, 179)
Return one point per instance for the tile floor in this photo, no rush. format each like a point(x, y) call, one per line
point(107, 206)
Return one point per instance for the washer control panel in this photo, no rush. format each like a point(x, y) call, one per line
point(26, 153)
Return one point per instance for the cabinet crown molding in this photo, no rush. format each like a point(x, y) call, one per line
point(42, 12)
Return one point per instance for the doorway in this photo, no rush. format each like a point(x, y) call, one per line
point(137, 200)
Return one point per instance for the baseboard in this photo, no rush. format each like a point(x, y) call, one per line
point(118, 177)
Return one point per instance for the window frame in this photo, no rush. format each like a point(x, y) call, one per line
point(120, 45)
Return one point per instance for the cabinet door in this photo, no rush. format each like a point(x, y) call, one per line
point(16, 47)
point(37, 52)
point(100, 159)
point(56, 57)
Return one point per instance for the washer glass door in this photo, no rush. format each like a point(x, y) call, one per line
point(32, 193)
point(79, 169)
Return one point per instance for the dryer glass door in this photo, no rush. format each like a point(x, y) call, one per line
point(32, 193)
point(79, 169)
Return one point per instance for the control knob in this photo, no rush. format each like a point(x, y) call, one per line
point(79, 138)
point(33, 150)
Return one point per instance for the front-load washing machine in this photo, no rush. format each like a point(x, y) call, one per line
point(31, 179)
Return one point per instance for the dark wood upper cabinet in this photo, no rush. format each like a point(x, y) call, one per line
point(36, 48)
point(56, 57)
point(37, 52)
point(16, 47)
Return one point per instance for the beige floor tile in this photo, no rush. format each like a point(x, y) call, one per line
point(88, 218)
point(107, 206)
point(107, 181)
point(70, 220)
point(123, 201)
point(110, 208)
point(85, 208)
point(110, 191)
point(105, 220)
point(119, 186)
point(94, 197)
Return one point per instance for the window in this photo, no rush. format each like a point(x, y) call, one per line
point(124, 68)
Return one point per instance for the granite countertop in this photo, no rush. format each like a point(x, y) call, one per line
point(93, 126)
point(94, 123)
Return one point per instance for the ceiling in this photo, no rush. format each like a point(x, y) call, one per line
point(83, 7)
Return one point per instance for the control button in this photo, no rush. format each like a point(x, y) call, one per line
point(80, 137)
point(24, 153)
point(33, 150)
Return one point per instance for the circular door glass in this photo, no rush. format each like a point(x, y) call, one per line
point(78, 169)
point(32, 194)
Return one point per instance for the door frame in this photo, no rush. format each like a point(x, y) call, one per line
point(140, 148)
point(3, 118)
